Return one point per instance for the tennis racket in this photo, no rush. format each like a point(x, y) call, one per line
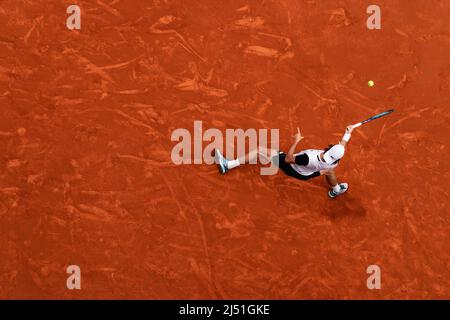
point(377, 116)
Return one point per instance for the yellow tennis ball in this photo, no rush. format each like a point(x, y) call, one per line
point(370, 83)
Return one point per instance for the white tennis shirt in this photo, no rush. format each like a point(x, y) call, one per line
point(314, 163)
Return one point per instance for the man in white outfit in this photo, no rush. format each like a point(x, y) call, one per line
point(304, 165)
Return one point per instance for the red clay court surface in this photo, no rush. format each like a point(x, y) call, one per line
point(87, 179)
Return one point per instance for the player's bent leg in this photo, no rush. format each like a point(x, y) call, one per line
point(263, 153)
point(250, 157)
point(226, 165)
point(330, 176)
point(266, 154)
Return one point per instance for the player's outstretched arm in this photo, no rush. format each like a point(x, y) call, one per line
point(347, 135)
point(290, 155)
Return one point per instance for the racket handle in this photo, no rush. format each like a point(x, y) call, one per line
point(357, 125)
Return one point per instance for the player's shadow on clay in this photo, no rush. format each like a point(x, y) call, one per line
point(345, 207)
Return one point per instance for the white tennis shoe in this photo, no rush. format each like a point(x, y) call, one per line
point(334, 194)
point(221, 162)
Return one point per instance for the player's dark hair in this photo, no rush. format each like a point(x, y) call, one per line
point(328, 148)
